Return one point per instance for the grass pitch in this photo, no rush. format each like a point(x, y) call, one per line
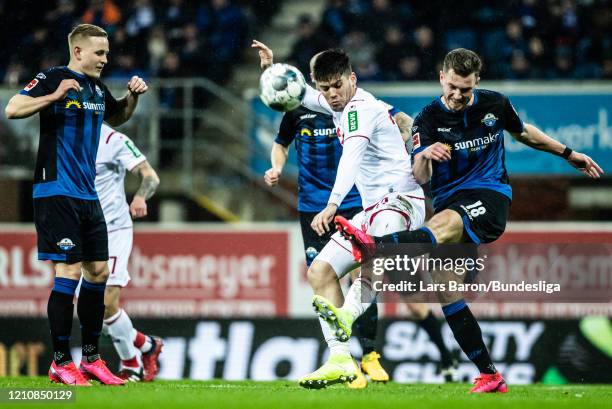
point(268, 395)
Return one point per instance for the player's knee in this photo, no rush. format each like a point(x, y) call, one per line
point(96, 271)
point(110, 310)
point(320, 274)
point(419, 311)
point(72, 271)
point(101, 275)
point(446, 226)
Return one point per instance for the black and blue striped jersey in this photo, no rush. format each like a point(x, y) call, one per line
point(69, 134)
point(318, 153)
point(475, 138)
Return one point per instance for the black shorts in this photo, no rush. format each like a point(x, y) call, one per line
point(313, 243)
point(70, 230)
point(484, 213)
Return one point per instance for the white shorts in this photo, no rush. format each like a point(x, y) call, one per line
point(394, 212)
point(119, 250)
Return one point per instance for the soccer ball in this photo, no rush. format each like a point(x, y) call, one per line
point(282, 87)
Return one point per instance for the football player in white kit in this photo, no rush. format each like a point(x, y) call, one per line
point(117, 154)
point(375, 159)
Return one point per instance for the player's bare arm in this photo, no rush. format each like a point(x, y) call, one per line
point(278, 158)
point(404, 123)
point(320, 223)
point(148, 185)
point(535, 138)
point(266, 57)
point(23, 106)
point(422, 168)
point(136, 86)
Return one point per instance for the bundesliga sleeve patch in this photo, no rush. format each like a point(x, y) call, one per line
point(135, 151)
point(353, 122)
point(416, 141)
point(31, 85)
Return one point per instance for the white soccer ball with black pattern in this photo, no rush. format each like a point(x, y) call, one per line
point(282, 87)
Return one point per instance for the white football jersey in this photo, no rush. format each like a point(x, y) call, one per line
point(117, 154)
point(374, 156)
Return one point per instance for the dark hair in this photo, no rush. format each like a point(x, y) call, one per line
point(331, 64)
point(463, 62)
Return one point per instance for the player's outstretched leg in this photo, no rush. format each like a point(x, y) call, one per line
point(339, 368)
point(151, 348)
point(469, 337)
point(120, 329)
point(339, 320)
point(59, 312)
point(427, 321)
point(363, 244)
point(367, 327)
point(90, 309)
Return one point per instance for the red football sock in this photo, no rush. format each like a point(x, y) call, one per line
point(140, 339)
point(131, 363)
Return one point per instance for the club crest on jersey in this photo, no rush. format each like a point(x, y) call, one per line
point(41, 76)
point(489, 119)
point(99, 91)
point(305, 132)
point(73, 103)
point(416, 141)
point(66, 244)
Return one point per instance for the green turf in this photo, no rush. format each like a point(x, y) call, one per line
point(266, 395)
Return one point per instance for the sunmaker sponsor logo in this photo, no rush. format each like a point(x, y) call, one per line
point(476, 143)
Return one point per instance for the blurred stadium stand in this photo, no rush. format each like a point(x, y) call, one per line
point(197, 122)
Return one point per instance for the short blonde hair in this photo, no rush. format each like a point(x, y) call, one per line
point(85, 30)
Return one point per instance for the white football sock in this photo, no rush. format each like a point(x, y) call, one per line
point(359, 297)
point(336, 347)
point(122, 332)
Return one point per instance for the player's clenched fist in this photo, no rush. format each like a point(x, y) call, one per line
point(64, 88)
point(138, 207)
point(137, 85)
point(271, 177)
point(438, 152)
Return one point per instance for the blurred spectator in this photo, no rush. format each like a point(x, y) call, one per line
point(307, 44)
point(157, 47)
point(31, 47)
point(410, 68)
point(380, 17)
point(362, 56)
point(426, 51)
point(226, 27)
point(171, 127)
point(125, 68)
point(519, 67)
point(141, 18)
point(16, 74)
point(563, 64)
point(62, 19)
point(335, 21)
point(103, 13)
point(193, 52)
point(390, 53)
point(538, 57)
